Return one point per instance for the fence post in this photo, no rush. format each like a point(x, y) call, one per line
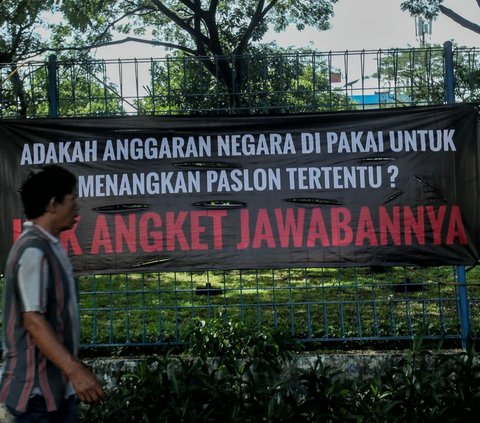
point(449, 73)
point(463, 304)
point(52, 86)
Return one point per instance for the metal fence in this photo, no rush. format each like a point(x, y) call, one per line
point(318, 304)
point(282, 83)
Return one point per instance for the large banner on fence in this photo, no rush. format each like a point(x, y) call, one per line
point(383, 187)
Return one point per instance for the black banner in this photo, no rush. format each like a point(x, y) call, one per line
point(363, 188)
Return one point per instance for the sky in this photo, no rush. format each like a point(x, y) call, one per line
point(357, 25)
point(375, 24)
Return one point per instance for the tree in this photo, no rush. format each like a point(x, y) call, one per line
point(26, 34)
point(21, 26)
point(467, 75)
point(221, 30)
point(431, 8)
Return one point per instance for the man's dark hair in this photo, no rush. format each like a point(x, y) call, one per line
point(50, 182)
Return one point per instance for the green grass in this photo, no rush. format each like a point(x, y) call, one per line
point(325, 304)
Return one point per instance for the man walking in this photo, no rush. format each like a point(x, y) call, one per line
point(41, 375)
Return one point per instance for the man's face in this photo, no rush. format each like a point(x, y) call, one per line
point(67, 212)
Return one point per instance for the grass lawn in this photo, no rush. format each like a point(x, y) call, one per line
point(314, 304)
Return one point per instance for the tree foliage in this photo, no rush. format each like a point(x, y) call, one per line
point(25, 91)
point(417, 75)
point(29, 30)
point(197, 27)
point(430, 9)
point(218, 32)
point(276, 80)
point(218, 29)
point(21, 29)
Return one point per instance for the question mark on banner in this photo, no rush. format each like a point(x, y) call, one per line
point(392, 170)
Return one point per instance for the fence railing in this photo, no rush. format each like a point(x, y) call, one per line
point(300, 82)
point(321, 305)
point(324, 305)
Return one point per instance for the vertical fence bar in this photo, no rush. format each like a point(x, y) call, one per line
point(52, 86)
point(449, 73)
point(463, 306)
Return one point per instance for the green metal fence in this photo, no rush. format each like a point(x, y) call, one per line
point(327, 305)
point(287, 83)
point(324, 305)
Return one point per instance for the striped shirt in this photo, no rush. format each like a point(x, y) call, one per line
point(38, 278)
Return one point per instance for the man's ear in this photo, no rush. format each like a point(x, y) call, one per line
point(51, 205)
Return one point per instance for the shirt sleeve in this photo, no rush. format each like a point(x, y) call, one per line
point(33, 280)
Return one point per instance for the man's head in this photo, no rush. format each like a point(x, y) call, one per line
point(49, 189)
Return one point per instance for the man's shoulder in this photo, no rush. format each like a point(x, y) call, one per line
point(29, 239)
point(32, 237)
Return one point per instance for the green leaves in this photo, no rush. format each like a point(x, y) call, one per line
point(200, 28)
point(236, 372)
point(429, 9)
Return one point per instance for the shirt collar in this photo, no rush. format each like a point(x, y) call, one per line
point(50, 236)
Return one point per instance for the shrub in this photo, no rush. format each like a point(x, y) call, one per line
point(234, 372)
